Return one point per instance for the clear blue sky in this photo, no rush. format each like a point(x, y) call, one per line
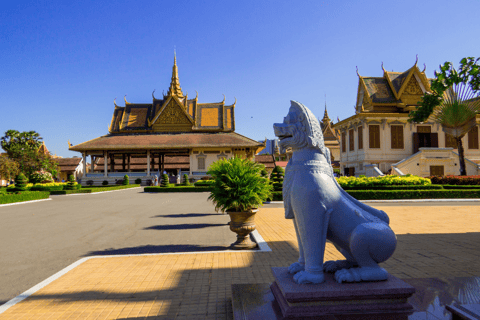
point(63, 62)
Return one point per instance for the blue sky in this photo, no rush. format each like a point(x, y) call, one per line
point(63, 62)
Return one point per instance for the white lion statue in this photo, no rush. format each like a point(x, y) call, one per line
point(322, 210)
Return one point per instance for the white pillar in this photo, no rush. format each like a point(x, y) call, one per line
point(148, 162)
point(84, 164)
point(105, 164)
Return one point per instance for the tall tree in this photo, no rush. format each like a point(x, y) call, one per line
point(8, 168)
point(23, 147)
point(454, 101)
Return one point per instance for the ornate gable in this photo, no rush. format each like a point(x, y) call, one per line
point(172, 117)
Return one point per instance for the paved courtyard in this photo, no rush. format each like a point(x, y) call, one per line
point(433, 242)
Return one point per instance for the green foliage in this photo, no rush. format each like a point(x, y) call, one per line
point(105, 183)
point(394, 187)
point(277, 178)
point(41, 177)
point(138, 181)
point(71, 184)
point(413, 194)
point(70, 191)
point(20, 196)
point(465, 83)
point(457, 180)
point(9, 168)
point(165, 181)
point(185, 181)
point(22, 147)
point(204, 183)
point(21, 182)
point(126, 180)
point(238, 185)
point(40, 187)
point(382, 181)
point(179, 188)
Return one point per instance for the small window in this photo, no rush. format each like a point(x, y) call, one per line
point(436, 171)
point(374, 136)
point(201, 163)
point(344, 142)
point(360, 138)
point(351, 140)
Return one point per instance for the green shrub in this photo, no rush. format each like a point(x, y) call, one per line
point(176, 189)
point(185, 182)
point(382, 181)
point(165, 181)
point(105, 183)
point(238, 185)
point(456, 180)
point(21, 196)
point(126, 180)
point(204, 183)
point(41, 177)
point(395, 187)
point(413, 194)
point(138, 181)
point(39, 187)
point(90, 183)
point(71, 191)
point(71, 184)
point(21, 182)
point(447, 186)
point(110, 188)
point(277, 178)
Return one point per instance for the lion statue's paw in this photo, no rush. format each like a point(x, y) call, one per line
point(361, 274)
point(296, 267)
point(333, 266)
point(304, 277)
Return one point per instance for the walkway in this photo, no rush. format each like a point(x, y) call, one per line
point(432, 242)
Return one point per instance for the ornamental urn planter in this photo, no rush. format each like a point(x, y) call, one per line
point(242, 223)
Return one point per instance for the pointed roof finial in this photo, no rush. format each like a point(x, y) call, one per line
point(416, 61)
point(125, 98)
point(383, 68)
point(357, 71)
point(175, 89)
point(326, 120)
point(424, 68)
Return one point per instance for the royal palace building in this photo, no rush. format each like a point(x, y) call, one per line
point(171, 131)
point(378, 139)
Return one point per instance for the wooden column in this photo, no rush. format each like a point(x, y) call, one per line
point(129, 156)
point(123, 162)
point(84, 164)
point(92, 160)
point(105, 164)
point(162, 169)
point(112, 162)
point(148, 162)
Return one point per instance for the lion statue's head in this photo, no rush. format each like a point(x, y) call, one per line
point(300, 129)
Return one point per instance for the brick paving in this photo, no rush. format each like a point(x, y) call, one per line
point(432, 242)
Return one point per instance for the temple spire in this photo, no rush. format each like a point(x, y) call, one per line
point(326, 120)
point(175, 89)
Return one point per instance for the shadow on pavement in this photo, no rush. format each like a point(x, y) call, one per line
point(187, 215)
point(184, 226)
point(171, 248)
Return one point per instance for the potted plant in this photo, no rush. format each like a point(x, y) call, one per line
point(239, 189)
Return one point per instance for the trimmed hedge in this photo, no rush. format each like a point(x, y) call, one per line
point(413, 194)
point(388, 180)
point(394, 187)
point(44, 188)
point(447, 186)
point(456, 180)
point(177, 189)
point(277, 196)
point(23, 196)
point(55, 192)
point(204, 183)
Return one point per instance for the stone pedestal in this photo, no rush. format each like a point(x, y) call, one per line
point(332, 298)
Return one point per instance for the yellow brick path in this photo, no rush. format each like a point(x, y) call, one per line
point(432, 242)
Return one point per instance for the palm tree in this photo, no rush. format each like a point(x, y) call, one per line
point(453, 102)
point(457, 114)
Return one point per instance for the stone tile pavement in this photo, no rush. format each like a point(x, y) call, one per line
point(432, 242)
